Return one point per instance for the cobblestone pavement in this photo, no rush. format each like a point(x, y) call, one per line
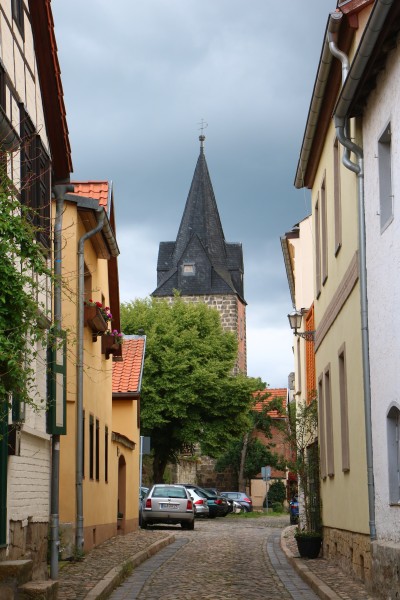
point(224, 559)
point(246, 551)
point(76, 579)
point(343, 586)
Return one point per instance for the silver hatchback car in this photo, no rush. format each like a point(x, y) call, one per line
point(168, 504)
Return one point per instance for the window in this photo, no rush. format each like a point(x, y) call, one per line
point(106, 454)
point(18, 14)
point(344, 418)
point(310, 358)
point(17, 410)
point(91, 446)
point(324, 235)
point(298, 355)
point(337, 202)
point(393, 439)
point(330, 463)
point(35, 179)
point(87, 283)
point(385, 178)
point(2, 88)
point(97, 450)
point(317, 249)
point(321, 426)
point(188, 269)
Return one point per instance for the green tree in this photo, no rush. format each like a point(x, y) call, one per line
point(302, 435)
point(249, 454)
point(189, 394)
point(257, 455)
point(22, 269)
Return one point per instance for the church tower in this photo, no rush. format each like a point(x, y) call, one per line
point(200, 264)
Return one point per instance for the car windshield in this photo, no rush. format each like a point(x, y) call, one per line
point(168, 492)
point(203, 494)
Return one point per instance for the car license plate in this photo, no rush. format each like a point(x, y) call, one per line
point(168, 505)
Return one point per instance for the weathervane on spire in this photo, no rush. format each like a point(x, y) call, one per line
point(202, 137)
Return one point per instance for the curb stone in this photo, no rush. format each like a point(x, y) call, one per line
point(315, 583)
point(117, 574)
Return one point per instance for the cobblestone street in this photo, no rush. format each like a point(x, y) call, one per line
point(221, 560)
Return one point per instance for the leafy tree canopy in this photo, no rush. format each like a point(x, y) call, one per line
point(22, 267)
point(247, 455)
point(189, 394)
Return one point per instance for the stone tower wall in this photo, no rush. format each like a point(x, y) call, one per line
point(233, 318)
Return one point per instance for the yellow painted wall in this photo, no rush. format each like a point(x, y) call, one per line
point(125, 423)
point(99, 497)
point(344, 496)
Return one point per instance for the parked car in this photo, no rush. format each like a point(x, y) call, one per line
point(201, 508)
point(211, 490)
point(294, 510)
point(143, 492)
point(168, 504)
point(243, 499)
point(218, 506)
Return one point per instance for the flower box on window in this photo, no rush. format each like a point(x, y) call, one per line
point(94, 319)
point(111, 343)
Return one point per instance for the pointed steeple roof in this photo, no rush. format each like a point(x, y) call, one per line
point(216, 266)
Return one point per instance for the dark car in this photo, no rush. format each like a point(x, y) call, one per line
point(217, 504)
point(243, 499)
point(294, 510)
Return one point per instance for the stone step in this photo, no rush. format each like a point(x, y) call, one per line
point(38, 590)
point(14, 573)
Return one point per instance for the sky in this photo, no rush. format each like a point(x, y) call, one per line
point(139, 76)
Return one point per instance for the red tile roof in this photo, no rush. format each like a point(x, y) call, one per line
point(41, 18)
point(92, 189)
point(127, 374)
point(277, 393)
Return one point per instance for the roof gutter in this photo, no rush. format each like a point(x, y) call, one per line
point(350, 87)
point(92, 204)
point(321, 81)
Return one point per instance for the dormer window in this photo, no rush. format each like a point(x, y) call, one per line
point(188, 269)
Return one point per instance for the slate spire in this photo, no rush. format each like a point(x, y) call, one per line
point(200, 261)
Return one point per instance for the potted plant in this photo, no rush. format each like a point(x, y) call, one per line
point(96, 316)
point(303, 437)
point(111, 342)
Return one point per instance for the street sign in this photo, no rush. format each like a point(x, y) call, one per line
point(266, 473)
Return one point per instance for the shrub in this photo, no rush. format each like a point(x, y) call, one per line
point(276, 492)
point(277, 507)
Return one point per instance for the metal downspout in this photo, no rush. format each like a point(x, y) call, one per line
point(358, 168)
point(59, 191)
point(79, 538)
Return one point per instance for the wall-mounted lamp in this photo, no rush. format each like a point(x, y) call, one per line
point(295, 318)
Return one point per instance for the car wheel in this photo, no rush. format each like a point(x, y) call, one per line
point(189, 525)
point(246, 509)
point(143, 525)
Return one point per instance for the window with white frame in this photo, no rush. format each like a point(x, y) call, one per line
point(393, 438)
point(188, 269)
point(385, 178)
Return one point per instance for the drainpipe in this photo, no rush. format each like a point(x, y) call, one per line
point(358, 168)
point(59, 191)
point(79, 538)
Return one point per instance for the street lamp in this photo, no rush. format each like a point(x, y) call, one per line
point(295, 319)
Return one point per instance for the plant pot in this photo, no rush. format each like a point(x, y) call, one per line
point(109, 345)
point(309, 546)
point(94, 319)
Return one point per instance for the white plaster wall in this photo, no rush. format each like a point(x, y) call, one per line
point(28, 485)
point(383, 265)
